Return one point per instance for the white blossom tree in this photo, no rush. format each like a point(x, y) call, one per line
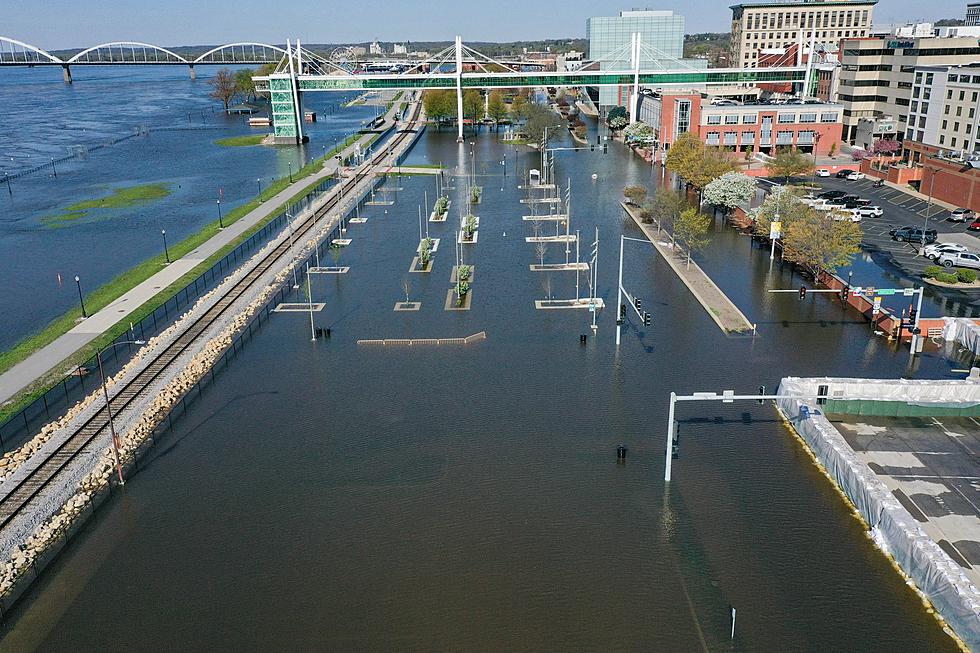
point(730, 190)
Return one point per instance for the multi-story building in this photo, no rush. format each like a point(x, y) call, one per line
point(877, 75)
point(769, 25)
point(375, 48)
point(661, 38)
point(742, 127)
point(945, 108)
point(973, 13)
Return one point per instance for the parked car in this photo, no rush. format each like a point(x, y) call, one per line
point(830, 194)
point(936, 250)
point(842, 174)
point(962, 215)
point(869, 211)
point(914, 235)
point(855, 176)
point(974, 227)
point(960, 260)
point(823, 172)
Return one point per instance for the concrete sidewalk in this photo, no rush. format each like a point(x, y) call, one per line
point(49, 357)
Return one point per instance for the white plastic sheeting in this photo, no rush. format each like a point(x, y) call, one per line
point(894, 530)
point(964, 331)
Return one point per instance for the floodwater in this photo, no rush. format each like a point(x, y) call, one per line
point(46, 118)
point(334, 496)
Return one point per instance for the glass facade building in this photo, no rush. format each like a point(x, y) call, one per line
point(662, 37)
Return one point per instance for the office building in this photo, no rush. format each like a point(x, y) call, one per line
point(945, 108)
point(769, 25)
point(662, 38)
point(973, 14)
point(877, 75)
point(742, 127)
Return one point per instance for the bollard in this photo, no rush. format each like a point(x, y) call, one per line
point(583, 339)
point(327, 332)
point(621, 453)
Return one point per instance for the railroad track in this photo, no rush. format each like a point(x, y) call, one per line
point(45, 473)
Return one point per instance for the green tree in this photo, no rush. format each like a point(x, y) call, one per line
point(617, 117)
point(440, 105)
point(518, 108)
point(790, 162)
point(496, 107)
point(472, 104)
point(817, 242)
point(691, 231)
point(685, 155)
point(223, 87)
point(244, 84)
point(666, 206)
point(713, 164)
point(539, 118)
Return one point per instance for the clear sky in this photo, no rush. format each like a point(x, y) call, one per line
point(57, 24)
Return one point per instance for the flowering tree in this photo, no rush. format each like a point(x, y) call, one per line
point(639, 131)
point(886, 146)
point(730, 190)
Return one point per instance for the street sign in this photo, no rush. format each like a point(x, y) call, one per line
point(886, 291)
point(908, 292)
point(877, 306)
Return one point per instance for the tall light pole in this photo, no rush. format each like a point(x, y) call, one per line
point(259, 182)
point(78, 284)
point(108, 406)
point(221, 224)
point(166, 250)
point(290, 164)
point(925, 223)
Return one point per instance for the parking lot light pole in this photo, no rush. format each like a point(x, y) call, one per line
point(925, 224)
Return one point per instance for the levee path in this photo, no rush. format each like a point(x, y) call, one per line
point(721, 309)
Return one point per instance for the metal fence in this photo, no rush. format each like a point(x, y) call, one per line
point(51, 405)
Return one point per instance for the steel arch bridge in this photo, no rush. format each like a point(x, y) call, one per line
point(19, 53)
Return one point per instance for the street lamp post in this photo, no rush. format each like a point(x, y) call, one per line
point(925, 223)
point(259, 182)
point(108, 406)
point(221, 224)
point(166, 250)
point(290, 164)
point(78, 284)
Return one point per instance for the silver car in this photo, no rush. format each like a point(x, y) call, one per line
point(962, 215)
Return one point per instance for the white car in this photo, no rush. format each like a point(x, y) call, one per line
point(869, 211)
point(936, 250)
point(823, 172)
point(855, 176)
point(960, 260)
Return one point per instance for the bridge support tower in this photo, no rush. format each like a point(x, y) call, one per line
point(66, 70)
point(193, 72)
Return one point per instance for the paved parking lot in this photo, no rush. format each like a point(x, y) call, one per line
point(932, 466)
point(901, 209)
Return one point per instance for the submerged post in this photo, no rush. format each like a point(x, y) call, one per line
point(191, 66)
point(66, 70)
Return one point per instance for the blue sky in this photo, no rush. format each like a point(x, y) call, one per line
point(73, 23)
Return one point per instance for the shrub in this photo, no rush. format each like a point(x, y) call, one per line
point(475, 193)
point(946, 277)
point(966, 276)
point(931, 271)
point(441, 205)
point(464, 272)
point(646, 215)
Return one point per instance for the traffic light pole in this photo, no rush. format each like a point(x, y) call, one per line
point(727, 397)
point(622, 291)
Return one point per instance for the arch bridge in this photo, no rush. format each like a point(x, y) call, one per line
point(19, 53)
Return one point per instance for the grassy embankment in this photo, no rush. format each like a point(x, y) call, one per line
point(112, 290)
point(241, 141)
point(121, 198)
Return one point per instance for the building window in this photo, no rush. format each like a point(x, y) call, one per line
point(731, 138)
point(946, 110)
point(952, 143)
point(949, 93)
point(929, 77)
point(925, 107)
point(808, 117)
point(915, 91)
point(683, 118)
point(713, 138)
point(908, 133)
point(918, 77)
point(959, 111)
point(921, 135)
point(806, 138)
point(922, 121)
point(828, 117)
point(972, 111)
point(915, 106)
point(748, 138)
point(956, 126)
point(945, 124)
point(787, 118)
point(731, 119)
point(749, 118)
point(714, 120)
point(784, 138)
point(962, 95)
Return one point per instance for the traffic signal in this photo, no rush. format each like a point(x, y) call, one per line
point(845, 292)
point(622, 314)
point(675, 443)
point(638, 302)
point(762, 391)
point(592, 147)
point(605, 148)
point(802, 292)
point(647, 319)
point(912, 315)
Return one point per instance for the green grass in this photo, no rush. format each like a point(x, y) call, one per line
point(120, 198)
point(112, 290)
point(241, 141)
